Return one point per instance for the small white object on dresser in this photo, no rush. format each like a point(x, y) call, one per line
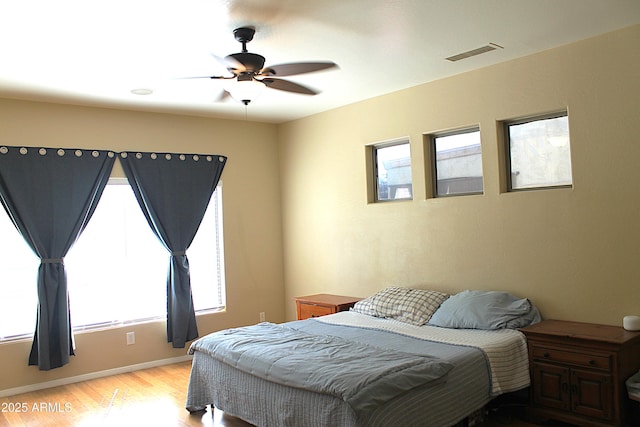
point(631, 323)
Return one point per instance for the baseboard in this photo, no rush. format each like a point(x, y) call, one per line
point(93, 375)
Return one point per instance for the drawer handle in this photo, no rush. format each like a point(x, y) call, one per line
point(546, 354)
point(592, 362)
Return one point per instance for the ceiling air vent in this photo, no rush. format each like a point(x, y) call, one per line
point(474, 52)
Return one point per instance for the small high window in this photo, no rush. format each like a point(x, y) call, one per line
point(457, 162)
point(538, 153)
point(392, 171)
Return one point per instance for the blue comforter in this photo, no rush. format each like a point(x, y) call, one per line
point(362, 375)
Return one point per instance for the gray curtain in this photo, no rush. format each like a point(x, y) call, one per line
point(173, 191)
point(50, 195)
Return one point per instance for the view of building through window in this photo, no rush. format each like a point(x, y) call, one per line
point(458, 163)
point(393, 165)
point(539, 153)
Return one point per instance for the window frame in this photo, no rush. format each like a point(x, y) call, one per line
point(433, 161)
point(374, 170)
point(506, 124)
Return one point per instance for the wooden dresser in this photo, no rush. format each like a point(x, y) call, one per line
point(322, 304)
point(578, 372)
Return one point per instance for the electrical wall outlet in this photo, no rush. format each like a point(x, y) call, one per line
point(131, 338)
point(262, 316)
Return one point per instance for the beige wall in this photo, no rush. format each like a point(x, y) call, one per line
point(252, 221)
point(574, 252)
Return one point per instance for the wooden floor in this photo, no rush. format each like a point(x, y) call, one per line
point(150, 397)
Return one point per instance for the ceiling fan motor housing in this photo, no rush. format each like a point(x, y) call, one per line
point(252, 62)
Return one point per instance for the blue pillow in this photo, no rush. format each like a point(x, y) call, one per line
point(485, 310)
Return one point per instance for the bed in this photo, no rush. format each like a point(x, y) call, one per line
point(380, 364)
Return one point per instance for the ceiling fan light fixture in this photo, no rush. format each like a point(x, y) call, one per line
point(244, 90)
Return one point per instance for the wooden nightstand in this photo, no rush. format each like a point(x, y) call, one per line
point(322, 304)
point(578, 372)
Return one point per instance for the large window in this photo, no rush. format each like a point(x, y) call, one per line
point(538, 152)
point(457, 162)
point(117, 270)
point(392, 171)
point(18, 282)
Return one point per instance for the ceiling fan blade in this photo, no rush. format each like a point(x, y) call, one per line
point(288, 86)
point(220, 59)
point(296, 68)
point(207, 77)
point(223, 96)
point(234, 63)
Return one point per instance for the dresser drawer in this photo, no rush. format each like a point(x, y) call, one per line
point(314, 310)
point(575, 358)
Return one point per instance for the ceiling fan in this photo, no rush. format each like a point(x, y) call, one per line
point(248, 70)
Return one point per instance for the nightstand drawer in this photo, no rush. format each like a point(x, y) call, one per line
point(314, 310)
point(571, 357)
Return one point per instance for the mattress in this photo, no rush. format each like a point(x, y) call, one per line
point(485, 365)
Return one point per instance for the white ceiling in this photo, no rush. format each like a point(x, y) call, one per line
point(94, 52)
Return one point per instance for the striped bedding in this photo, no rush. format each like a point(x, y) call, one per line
point(506, 349)
point(469, 385)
